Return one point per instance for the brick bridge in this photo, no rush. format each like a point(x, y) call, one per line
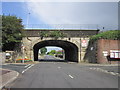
point(74, 44)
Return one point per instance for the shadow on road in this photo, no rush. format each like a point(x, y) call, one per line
point(51, 60)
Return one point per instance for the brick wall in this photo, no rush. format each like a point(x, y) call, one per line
point(106, 45)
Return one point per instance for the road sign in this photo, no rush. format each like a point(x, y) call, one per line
point(115, 54)
point(84, 43)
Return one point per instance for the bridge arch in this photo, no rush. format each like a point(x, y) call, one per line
point(71, 50)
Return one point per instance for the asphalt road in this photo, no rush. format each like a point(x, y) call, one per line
point(50, 58)
point(63, 75)
point(16, 67)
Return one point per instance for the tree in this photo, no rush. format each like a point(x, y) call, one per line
point(43, 50)
point(52, 52)
point(11, 32)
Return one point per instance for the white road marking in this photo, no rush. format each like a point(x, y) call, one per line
point(112, 73)
point(70, 76)
point(27, 65)
point(27, 68)
point(59, 67)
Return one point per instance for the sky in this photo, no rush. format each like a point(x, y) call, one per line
point(64, 14)
point(49, 48)
point(80, 15)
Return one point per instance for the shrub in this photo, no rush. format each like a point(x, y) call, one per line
point(112, 34)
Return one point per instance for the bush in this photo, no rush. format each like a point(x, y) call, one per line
point(112, 34)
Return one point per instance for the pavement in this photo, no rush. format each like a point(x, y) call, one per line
point(10, 71)
point(7, 76)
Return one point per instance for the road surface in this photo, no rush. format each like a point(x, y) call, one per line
point(63, 75)
point(50, 58)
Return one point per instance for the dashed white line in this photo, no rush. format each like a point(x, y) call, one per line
point(27, 68)
point(70, 76)
point(27, 65)
point(59, 67)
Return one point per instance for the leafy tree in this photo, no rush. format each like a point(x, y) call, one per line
point(53, 34)
point(59, 52)
point(43, 50)
point(52, 52)
point(11, 32)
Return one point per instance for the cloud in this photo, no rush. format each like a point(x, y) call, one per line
point(74, 12)
point(50, 13)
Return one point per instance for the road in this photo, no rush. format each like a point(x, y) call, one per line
point(16, 67)
point(50, 58)
point(63, 75)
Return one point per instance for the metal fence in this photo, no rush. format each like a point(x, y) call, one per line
point(62, 26)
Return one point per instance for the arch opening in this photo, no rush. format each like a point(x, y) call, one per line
point(70, 49)
point(51, 53)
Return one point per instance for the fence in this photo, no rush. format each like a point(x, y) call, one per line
point(62, 26)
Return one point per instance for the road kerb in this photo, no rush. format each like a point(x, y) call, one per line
point(105, 71)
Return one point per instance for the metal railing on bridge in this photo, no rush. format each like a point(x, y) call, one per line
point(62, 26)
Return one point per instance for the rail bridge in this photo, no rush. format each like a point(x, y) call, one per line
point(74, 44)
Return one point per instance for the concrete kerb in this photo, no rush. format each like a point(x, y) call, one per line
point(8, 77)
point(91, 64)
point(102, 70)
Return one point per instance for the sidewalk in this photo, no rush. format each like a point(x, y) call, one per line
point(7, 76)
